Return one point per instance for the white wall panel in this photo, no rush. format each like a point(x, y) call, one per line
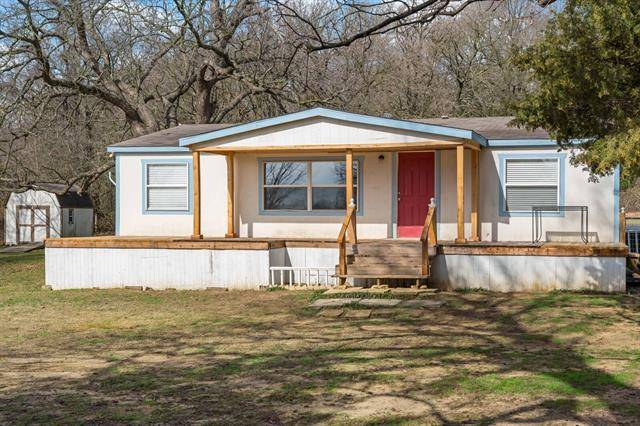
point(529, 273)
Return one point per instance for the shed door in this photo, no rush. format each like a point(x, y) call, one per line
point(32, 224)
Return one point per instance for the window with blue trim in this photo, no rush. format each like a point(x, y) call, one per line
point(306, 185)
point(167, 187)
point(529, 182)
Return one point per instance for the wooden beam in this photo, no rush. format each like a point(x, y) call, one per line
point(460, 192)
point(379, 147)
point(197, 231)
point(475, 182)
point(349, 190)
point(623, 227)
point(231, 232)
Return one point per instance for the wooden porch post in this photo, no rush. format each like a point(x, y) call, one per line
point(460, 195)
point(197, 232)
point(231, 232)
point(475, 183)
point(349, 190)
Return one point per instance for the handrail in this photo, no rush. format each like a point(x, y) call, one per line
point(428, 236)
point(348, 225)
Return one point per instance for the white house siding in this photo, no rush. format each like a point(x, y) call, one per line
point(375, 222)
point(598, 196)
point(377, 180)
point(31, 197)
point(322, 131)
point(133, 222)
point(529, 273)
point(72, 268)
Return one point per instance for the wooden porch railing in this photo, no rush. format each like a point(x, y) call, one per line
point(348, 230)
point(428, 236)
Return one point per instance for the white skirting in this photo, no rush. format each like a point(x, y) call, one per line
point(68, 268)
point(529, 273)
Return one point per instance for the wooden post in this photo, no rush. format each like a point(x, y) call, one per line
point(197, 232)
point(351, 231)
point(623, 227)
point(231, 233)
point(460, 192)
point(475, 183)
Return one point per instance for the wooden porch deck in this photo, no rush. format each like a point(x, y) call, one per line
point(508, 248)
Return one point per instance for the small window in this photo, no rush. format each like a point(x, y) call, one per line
point(70, 217)
point(167, 187)
point(531, 182)
point(307, 185)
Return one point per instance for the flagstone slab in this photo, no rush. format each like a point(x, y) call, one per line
point(325, 303)
point(380, 303)
point(331, 312)
point(420, 303)
point(384, 313)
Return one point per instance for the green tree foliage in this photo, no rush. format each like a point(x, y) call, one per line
point(587, 68)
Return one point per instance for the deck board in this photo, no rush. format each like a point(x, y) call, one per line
point(563, 249)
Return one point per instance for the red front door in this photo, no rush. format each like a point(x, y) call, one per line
point(416, 187)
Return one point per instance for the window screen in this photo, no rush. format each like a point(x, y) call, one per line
point(167, 187)
point(531, 182)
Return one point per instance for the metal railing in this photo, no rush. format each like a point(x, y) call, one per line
point(284, 276)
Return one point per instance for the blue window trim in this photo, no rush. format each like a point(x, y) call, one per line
point(145, 163)
point(502, 158)
point(328, 213)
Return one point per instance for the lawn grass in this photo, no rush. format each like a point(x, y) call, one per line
point(263, 357)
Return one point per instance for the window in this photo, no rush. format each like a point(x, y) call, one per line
point(529, 182)
point(167, 187)
point(307, 185)
point(70, 217)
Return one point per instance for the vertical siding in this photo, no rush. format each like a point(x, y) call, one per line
point(68, 268)
point(529, 273)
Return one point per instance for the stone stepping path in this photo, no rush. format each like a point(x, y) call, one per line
point(376, 303)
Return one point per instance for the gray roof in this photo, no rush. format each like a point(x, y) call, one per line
point(70, 199)
point(489, 127)
point(169, 137)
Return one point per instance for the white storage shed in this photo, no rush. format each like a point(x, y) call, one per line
point(39, 213)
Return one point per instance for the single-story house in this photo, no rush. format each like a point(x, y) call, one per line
point(42, 212)
point(317, 194)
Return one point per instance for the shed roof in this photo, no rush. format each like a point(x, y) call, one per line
point(71, 199)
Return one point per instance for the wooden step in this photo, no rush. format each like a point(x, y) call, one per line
point(390, 250)
point(385, 260)
point(384, 277)
point(382, 270)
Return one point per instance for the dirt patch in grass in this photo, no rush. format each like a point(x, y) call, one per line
point(122, 356)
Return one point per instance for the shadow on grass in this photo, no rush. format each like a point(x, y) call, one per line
point(300, 369)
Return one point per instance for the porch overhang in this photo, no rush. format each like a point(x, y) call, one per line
point(425, 145)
